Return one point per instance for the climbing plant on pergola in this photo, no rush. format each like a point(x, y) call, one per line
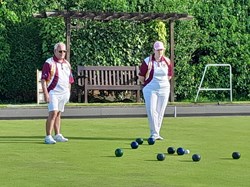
point(108, 16)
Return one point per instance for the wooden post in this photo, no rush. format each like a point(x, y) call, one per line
point(67, 21)
point(171, 51)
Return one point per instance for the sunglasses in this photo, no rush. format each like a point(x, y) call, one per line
point(62, 51)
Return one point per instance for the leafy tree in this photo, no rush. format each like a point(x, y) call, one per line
point(224, 25)
point(6, 16)
point(219, 33)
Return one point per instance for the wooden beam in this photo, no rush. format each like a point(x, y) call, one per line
point(171, 51)
point(107, 16)
point(67, 21)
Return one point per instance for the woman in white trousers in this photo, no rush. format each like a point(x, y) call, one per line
point(155, 74)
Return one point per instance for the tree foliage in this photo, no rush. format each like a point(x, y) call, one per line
point(224, 26)
point(219, 33)
point(7, 16)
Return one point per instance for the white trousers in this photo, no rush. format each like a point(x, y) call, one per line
point(156, 103)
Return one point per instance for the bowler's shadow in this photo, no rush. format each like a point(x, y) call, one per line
point(39, 139)
point(22, 139)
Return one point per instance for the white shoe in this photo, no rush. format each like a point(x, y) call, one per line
point(159, 138)
point(60, 138)
point(49, 140)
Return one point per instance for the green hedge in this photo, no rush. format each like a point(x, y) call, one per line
point(219, 33)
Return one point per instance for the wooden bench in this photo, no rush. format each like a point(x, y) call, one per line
point(112, 78)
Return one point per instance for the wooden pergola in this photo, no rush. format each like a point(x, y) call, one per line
point(108, 16)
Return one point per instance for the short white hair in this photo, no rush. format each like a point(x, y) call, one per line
point(57, 44)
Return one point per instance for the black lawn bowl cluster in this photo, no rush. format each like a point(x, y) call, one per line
point(181, 151)
point(170, 150)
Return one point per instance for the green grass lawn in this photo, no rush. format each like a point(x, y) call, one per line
point(88, 158)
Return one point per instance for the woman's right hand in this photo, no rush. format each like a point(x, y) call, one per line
point(46, 97)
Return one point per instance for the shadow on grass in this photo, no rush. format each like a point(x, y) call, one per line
point(5, 139)
point(99, 138)
point(226, 158)
point(171, 154)
point(21, 139)
point(186, 161)
point(111, 156)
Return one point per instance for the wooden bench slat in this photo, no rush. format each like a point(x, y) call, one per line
point(117, 78)
point(110, 87)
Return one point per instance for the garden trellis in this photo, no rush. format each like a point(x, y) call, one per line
point(108, 16)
